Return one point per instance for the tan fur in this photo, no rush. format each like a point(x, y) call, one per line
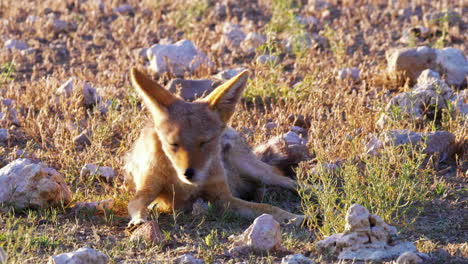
point(194, 137)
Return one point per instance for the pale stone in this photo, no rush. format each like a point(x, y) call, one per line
point(412, 61)
point(190, 89)
point(2, 256)
point(187, 259)
point(4, 135)
point(123, 9)
point(441, 142)
point(348, 73)
point(84, 255)
point(414, 104)
point(267, 59)
point(90, 96)
point(107, 173)
point(262, 236)
point(409, 257)
point(15, 44)
point(366, 238)
point(25, 184)
point(66, 88)
point(200, 207)
point(253, 41)
point(453, 63)
point(148, 232)
point(82, 139)
point(179, 58)
point(228, 74)
point(296, 259)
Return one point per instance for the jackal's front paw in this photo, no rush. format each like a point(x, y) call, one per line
point(135, 222)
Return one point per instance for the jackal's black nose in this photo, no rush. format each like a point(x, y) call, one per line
point(189, 173)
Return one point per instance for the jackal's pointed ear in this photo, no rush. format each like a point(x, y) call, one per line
point(156, 97)
point(225, 97)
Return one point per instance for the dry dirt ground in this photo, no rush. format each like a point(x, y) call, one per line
point(99, 46)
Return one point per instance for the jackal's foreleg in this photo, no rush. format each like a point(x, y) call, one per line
point(138, 206)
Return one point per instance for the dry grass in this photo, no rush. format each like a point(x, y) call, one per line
point(100, 48)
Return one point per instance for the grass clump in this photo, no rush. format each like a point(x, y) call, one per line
point(393, 185)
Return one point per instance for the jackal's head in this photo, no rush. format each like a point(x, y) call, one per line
point(190, 132)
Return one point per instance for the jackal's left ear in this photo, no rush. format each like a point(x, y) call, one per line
point(225, 97)
point(156, 97)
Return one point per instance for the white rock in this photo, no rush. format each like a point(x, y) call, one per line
point(270, 125)
point(262, 236)
point(107, 173)
point(4, 135)
point(82, 139)
point(308, 20)
point(190, 89)
point(200, 207)
point(292, 138)
point(252, 41)
point(66, 88)
point(26, 184)
point(187, 259)
point(366, 238)
point(103, 107)
point(442, 142)
point(296, 43)
point(453, 63)
point(372, 254)
point(429, 91)
point(59, 25)
point(90, 96)
point(417, 33)
point(409, 257)
point(123, 9)
point(84, 255)
point(346, 73)
point(461, 103)
point(451, 16)
point(232, 35)
point(2, 256)
point(10, 117)
point(412, 61)
point(15, 44)
point(179, 58)
point(373, 146)
point(31, 19)
point(297, 259)
point(228, 74)
point(267, 59)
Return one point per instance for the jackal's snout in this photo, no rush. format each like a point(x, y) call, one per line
point(189, 173)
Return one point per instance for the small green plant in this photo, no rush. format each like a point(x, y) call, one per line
point(337, 45)
point(6, 72)
point(187, 13)
point(391, 185)
point(443, 23)
point(284, 21)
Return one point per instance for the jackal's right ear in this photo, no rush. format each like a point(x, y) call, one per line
point(225, 97)
point(156, 97)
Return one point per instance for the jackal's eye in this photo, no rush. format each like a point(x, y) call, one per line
point(174, 145)
point(204, 142)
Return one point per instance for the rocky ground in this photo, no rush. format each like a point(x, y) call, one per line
point(364, 102)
